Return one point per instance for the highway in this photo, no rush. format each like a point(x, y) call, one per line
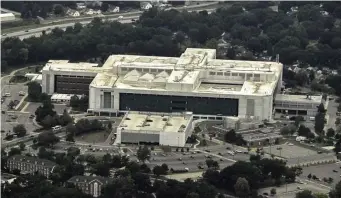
point(38, 31)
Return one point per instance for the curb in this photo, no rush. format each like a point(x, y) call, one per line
point(314, 163)
point(20, 103)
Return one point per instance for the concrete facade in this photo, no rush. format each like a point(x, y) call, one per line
point(196, 73)
point(303, 105)
point(149, 127)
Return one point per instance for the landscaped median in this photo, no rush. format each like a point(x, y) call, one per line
point(21, 104)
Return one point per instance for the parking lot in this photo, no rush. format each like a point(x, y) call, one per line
point(191, 159)
point(326, 170)
point(289, 151)
point(13, 90)
point(290, 190)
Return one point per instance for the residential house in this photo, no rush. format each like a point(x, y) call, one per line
point(72, 13)
point(93, 12)
point(91, 185)
point(97, 12)
point(114, 9)
point(81, 6)
point(30, 165)
point(146, 5)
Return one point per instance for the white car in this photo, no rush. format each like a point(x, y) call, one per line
point(21, 93)
point(231, 153)
point(290, 144)
point(120, 17)
point(7, 95)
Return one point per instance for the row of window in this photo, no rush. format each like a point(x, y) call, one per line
point(29, 167)
point(147, 70)
point(233, 74)
point(68, 76)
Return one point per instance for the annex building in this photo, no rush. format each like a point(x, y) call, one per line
point(170, 129)
point(195, 82)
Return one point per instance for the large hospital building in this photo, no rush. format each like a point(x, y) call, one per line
point(195, 82)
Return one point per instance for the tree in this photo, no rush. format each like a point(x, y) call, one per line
point(305, 131)
point(34, 91)
point(273, 191)
point(73, 151)
point(65, 119)
point(104, 7)
point(319, 122)
point(298, 120)
point(336, 191)
point(110, 126)
point(309, 176)
point(44, 110)
point(22, 146)
point(288, 130)
point(242, 188)
point(320, 195)
point(45, 154)
point(304, 194)
point(143, 153)
point(338, 121)
point(14, 151)
point(49, 122)
point(20, 130)
point(165, 167)
point(47, 139)
point(58, 9)
point(330, 133)
point(232, 137)
point(321, 108)
point(102, 169)
point(158, 170)
point(212, 164)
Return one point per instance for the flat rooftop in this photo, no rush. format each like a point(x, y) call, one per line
point(62, 96)
point(194, 68)
point(298, 98)
point(155, 122)
point(104, 80)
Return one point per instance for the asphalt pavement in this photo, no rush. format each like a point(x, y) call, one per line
point(128, 15)
point(321, 171)
point(13, 90)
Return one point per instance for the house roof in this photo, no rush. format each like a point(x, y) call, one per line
point(32, 160)
point(89, 179)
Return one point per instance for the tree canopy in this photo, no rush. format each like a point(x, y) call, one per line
point(310, 38)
